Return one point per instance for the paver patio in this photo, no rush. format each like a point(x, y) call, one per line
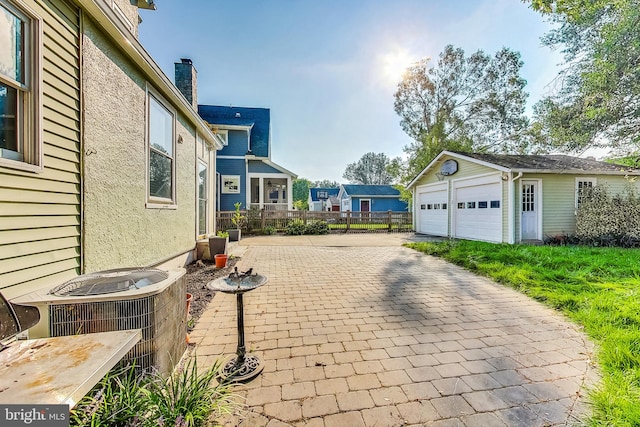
point(373, 334)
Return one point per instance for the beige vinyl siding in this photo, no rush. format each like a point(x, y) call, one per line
point(506, 204)
point(465, 169)
point(40, 212)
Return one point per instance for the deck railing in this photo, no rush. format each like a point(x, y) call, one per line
point(270, 206)
point(257, 221)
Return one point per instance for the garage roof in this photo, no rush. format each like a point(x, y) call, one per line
point(548, 162)
point(534, 163)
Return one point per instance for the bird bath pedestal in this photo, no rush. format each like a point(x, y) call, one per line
point(244, 366)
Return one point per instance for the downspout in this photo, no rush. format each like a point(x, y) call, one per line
point(512, 204)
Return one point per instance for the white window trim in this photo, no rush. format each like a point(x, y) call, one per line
point(154, 202)
point(31, 129)
point(234, 177)
point(206, 158)
point(592, 179)
point(365, 200)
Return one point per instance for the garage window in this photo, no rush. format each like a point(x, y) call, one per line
point(429, 206)
point(461, 205)
point(495, 204)
point(423, 207)
point(471, 205)
point(582, 185)
point(444, 206)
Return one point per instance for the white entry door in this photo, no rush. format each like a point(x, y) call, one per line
point(530, 208)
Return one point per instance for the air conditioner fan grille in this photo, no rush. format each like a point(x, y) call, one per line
point(110, 281)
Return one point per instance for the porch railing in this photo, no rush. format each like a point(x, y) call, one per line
point(257, 221)
point(270, 206)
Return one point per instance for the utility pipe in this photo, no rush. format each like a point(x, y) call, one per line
point(512, 205)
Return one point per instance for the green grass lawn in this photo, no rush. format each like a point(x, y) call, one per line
point(599, 288)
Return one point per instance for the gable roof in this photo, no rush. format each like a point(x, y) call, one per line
point(370, 190)
point(330, 192)
point(258, 119)
point(534, 163)
point(548, 162)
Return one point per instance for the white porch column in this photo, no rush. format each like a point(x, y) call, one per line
point(289, 194)
point(261, 195)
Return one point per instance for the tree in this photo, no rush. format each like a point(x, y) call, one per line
point(370, 169)
point(326, 183)
point(300, 188)
point(598, 101)
point(465, 103)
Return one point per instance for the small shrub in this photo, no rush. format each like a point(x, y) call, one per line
point(317, 227)
point(186, 398)
point(269, 230)
point(237, 219)
point(296, 228)
point(253, 218)
point(605, 220)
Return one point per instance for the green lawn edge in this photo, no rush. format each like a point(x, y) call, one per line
point(597, 288)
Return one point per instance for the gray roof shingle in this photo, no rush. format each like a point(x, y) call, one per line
point(549, 162)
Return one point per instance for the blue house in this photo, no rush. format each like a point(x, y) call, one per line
point(323, 199)
point(245, 172)
point(370, 198)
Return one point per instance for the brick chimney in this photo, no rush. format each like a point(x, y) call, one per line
point(187, 81)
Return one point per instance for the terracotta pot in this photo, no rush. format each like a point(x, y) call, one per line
point(221, 260)
point(189, 299)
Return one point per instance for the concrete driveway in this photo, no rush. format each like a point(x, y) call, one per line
point(359, 331)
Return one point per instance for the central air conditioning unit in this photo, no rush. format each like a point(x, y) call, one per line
point(152, 300)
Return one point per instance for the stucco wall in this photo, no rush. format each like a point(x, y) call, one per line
point(119, 230)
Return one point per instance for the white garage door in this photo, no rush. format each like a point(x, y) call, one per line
point(478, 210)
point(433, 210)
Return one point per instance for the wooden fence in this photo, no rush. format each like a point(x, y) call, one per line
point(258, 221)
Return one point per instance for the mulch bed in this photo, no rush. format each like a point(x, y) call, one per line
point(200, 273)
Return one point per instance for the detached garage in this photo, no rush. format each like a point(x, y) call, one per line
point(507, 198)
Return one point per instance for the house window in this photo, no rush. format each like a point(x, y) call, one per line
point(161, 125)
point(582, 184)
point(323, 195)
point(20, 109)
point(203, 199)
point(230, 184)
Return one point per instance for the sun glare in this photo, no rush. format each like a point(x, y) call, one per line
point(394, 64)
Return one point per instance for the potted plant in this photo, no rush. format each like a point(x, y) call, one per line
point(236, 220)
point(218, 244)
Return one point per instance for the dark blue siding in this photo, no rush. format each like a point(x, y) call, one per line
point(261, 167)
point(232, 167)
point(380, 204)
point(238, 144)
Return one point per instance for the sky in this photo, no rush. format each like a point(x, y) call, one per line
point(328, 69)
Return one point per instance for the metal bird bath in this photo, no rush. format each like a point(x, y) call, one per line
point(244, 366)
